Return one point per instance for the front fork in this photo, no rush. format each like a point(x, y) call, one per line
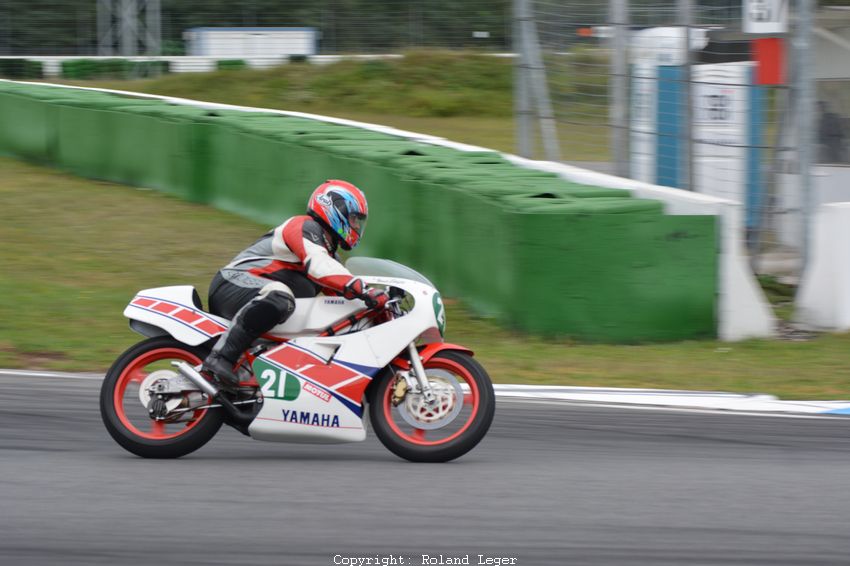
point(419, 373)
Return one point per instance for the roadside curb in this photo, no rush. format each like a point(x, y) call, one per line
point(706, 400)
point(669, 398)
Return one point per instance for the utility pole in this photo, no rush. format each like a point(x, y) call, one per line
point(619, 86)
point(123, 26)
point(537, 84)
point(805, 111)
point(522, 96)
point(686, 20)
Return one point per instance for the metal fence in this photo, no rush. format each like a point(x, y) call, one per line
point(677, 94)
point(664, 92)
point(71, 27)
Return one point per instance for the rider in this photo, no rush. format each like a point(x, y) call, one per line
point(257, 290)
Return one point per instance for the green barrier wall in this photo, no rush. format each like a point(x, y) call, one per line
point(538, 252)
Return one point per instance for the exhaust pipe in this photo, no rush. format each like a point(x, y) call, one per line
point(235, 415)
point(195, 377)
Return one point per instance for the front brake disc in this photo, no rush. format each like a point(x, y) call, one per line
point(418, 413)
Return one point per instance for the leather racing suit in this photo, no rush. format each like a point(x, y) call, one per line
point(257, 289)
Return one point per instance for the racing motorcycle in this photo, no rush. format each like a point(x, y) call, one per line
point(313, 379)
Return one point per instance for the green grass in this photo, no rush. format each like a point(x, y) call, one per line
point(432, 83)
point(75, 251)
point(465, 97)
point(780, 295)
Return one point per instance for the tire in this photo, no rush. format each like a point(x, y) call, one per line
point(125, 417)
point(458, 435)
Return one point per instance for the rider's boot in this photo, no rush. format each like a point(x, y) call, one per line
point(222, 360)
point(271, 307)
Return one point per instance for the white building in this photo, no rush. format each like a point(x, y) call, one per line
point(250, 43)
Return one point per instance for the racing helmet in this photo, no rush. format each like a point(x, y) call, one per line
point(342, 208)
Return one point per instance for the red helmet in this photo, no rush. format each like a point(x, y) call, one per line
point(342, 208)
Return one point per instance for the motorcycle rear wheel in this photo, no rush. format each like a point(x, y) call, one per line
point(445, 431)
point(125, 417)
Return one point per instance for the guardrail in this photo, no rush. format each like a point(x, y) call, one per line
point(48, 66)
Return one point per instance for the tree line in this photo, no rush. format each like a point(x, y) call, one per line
point(69, 27)
point(66, 27)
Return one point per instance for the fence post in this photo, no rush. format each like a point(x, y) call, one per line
point(686, 20)
point(153, 28)
point(129, 27)
point(537, 82)
point(803, 83)
point(522, 99)
point(105, 35)
point(619, 86)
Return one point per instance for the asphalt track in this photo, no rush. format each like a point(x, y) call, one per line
point(553, 483)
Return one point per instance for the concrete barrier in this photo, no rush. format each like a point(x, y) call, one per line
point(823, 301)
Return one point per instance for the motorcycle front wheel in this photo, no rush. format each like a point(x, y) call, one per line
point(127, 419)
point(421, 432)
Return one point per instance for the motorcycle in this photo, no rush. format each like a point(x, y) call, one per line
point(314, 379)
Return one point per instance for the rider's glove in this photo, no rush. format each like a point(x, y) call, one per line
point(354, 289)
point(375, 298)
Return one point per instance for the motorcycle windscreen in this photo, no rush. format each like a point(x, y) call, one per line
point(376, 267)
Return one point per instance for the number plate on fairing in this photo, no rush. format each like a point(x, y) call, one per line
point(308, 398)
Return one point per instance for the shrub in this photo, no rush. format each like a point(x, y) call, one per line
point(84, 69)
point(21, 69)
point(230, 64)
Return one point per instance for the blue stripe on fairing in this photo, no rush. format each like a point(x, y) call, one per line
point(365, 370)
point(669, 126)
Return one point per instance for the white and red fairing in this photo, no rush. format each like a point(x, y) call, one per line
point(172, 310)
point(332, 372)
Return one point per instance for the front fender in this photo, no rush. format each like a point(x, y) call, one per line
point(402, 363)
point(429, 351)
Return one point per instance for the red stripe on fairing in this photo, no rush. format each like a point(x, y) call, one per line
point(165, 308)
point(355, 389)
point(329, 375)
point(187, 316)
point(293, 236)
point(312, 366)
point(288, 357)
point(194, 319)
point(209, 327)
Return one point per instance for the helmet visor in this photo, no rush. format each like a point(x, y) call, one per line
point(357, 222)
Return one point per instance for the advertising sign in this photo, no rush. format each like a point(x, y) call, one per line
point(765, 16)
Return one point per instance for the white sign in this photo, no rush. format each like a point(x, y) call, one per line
point(720, 104)
point(644, 122)
point(721, 128)
point(765, 16)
